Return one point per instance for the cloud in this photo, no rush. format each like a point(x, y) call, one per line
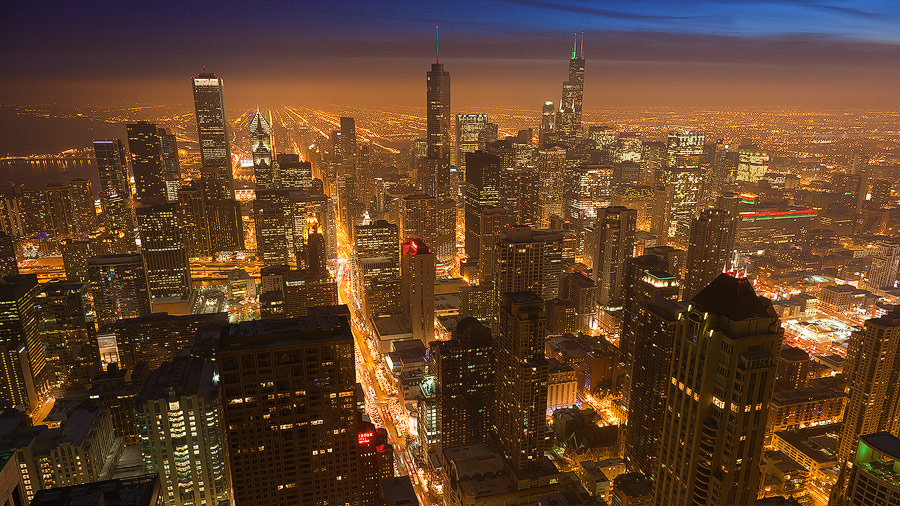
point(595, 11)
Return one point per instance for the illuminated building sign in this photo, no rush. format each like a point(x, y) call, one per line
point(366, 437)
point(777, 215)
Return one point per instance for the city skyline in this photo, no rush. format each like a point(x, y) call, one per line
point(569, 302)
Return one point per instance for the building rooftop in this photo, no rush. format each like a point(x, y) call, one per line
point(398, 491)
point(140, 491)
point(805, 394)
point(884, 443)
point(183, 375)
point(733, 296)
point(264, 333)
point(392, 325)
point(479, 469)
point(818, 443)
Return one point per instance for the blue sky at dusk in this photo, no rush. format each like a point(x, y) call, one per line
point(124, 50)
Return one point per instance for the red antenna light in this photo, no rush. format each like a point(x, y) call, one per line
point(437, 45)
point(582, 46)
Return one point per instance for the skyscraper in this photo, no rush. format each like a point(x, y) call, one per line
point(875, 475)
point(710, 249)
point(181, 436)
point(212, 129)
point(722, 375)
point(551, 165)
point(547, 133)
point(417, 288)
point(436, 180)
point(113, 168)
point(146, 160)
point(491, 222)
point(520, 411)
point(612, 242)
point(306, 451)
point(464, 374)
point(293, 172)
point(164, 249)
point(470, 137)
point(482, 190)
point(119, 287)
point(84, 214)
point(265, 171)
point(528, 260)
point(651, 326)
point(193, 211)
point(683, 173)
point(568, 120)
point(119, 220)
point(23, 360)
point(377, 267)
point(67, 330)
point(273, 229)
point(8, 262)
point(873, 372)
point(419, 217)
point(171, 166)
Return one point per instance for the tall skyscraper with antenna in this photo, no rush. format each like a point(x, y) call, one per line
point(435, 178)
point(568, 121)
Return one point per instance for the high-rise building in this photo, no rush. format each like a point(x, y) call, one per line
point(568, 119)
point(686, 184)
point(119, 287)
point(66, 324)
point(306, 289)
point(417, 288)
point(8, 263)
point(753, 163)
point(265, 171)
point(470, 137)
point(180, 433)
point(608, 246)
point(224, 224)
point(119, 220)
point(551, 165)
point(75, 256)
point(437, 117)
point(482, 190)
point(491, 222)
point(419, 217)
point(273, 229)
point(84, 214)
point(722, 375)
point(646, 277)
point(632, 489)
point(23, 360)
point(873, 373)
point(193, 211)
point(292, 172)
point(884, 265)
point(376, 463)
point(146, 160)
point(464, 374)
point(710, 249)
point(528, 260)
point(520, 411)
point(547, 133)
point(651, 326)
point(875, 475)
point(113, 168)
point(168, 143)
point(212, 129)
point(377, 267)
point(684, 149)
point(305, 452)
point(683, 172)
point(164, 249)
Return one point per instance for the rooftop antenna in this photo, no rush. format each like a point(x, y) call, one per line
point(437, 45)
point(575, 46)
point(582, 46)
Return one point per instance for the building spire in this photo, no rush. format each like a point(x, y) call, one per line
point(575, 46)
point(582, 46)
point(437, 45)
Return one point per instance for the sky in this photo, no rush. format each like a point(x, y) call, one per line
point(718, 53)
